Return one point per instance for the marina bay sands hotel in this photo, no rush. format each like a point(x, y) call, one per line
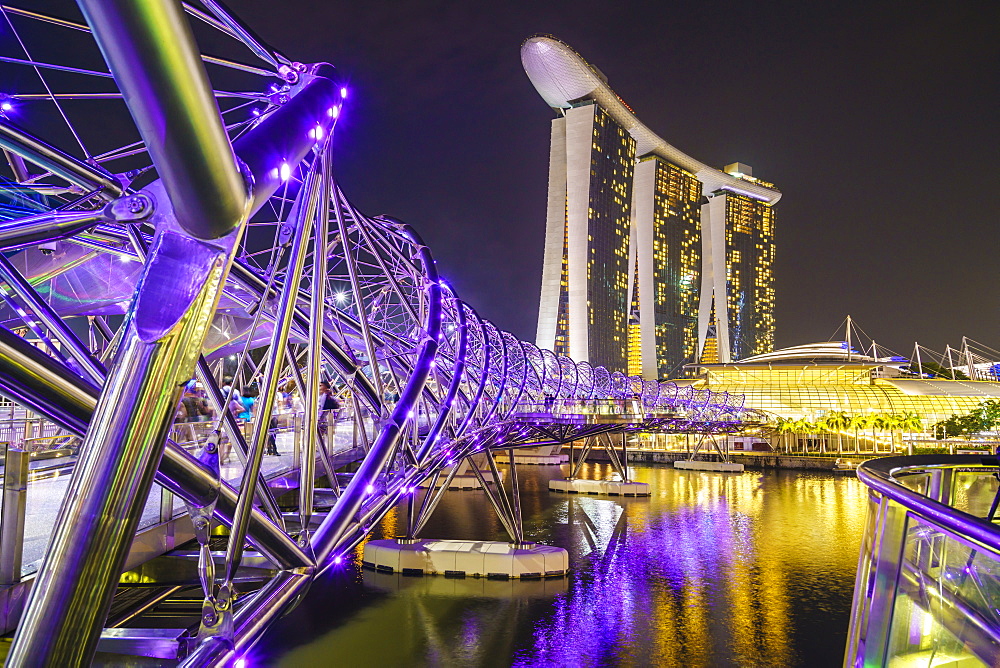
point(652, 259)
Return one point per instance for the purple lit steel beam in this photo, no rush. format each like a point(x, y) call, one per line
point(46, 226)
point(305, 212)
point(150, 49)
point(39, 383)
point(358, 298)
point(240, 31)
point(334, 353)
point(288, 134)
point(334, 526)
point(314, 353)
point(79, 173)
point(20, 294)
point(170, 98)
point(458, 372)
point(514, 344)
point(497, 375)
point(476, 321)
point(250, 620)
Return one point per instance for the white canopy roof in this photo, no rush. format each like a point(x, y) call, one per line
point(561, 76)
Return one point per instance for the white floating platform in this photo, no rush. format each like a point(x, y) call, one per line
point(464, 558)
point(606, 487)
point(540, 460)
point(726, 467)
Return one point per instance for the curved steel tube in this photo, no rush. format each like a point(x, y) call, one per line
point(203, 202)
point(879, 475)
point(170, 98)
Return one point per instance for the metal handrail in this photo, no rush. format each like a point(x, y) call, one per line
point(880, 475)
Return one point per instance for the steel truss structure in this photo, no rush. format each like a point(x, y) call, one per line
point(208, 226)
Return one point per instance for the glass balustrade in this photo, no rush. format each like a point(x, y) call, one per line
point(928, 585)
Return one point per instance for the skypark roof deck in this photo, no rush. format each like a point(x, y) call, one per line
point(563, 78)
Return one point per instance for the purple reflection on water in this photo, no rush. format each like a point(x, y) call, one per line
point(665, 559)
point(713, 569)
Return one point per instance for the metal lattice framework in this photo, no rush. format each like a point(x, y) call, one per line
point(207, 224)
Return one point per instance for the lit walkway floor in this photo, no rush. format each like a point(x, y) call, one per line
point(46, 489)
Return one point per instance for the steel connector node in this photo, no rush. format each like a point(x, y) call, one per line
point(131, 208)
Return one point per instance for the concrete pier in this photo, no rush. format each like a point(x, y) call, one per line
point(695, 465)
point(750, 460)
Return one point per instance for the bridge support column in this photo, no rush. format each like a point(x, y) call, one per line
point(516, 559)
point(619, 461)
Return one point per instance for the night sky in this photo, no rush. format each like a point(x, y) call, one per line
point(877, 120)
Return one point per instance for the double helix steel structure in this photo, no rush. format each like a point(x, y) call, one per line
point(168, 211)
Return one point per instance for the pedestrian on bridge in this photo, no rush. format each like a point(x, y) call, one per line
point(329, 408)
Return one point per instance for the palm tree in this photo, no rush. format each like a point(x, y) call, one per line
point(804, 427)
point(882, 422)
point(910, 422)
point(778, 431)
point(785, 427)
point(838, 421)
point(859, 422)
point(823, 428)
point(892, 422)
point(843, 422)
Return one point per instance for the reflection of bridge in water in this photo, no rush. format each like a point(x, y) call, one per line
point(185, 243)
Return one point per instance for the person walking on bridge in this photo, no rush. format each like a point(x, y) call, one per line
point(329, 409)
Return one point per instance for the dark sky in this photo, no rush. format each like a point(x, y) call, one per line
point(877, 120)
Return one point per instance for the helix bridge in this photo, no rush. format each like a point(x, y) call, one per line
point(171, 213)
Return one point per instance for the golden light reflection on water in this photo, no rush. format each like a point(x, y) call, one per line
point(738, 569)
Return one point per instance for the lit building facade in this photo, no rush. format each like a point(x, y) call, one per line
point(585, 279)
point(666, 237)
point(639, 254)
point(810, 381)
point(737, 291)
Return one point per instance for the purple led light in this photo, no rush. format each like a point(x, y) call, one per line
point(285, 172)
point(343, 92)
point(333, 112)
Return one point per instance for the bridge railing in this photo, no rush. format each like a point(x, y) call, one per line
point(31, 496)
point(704, 407)
point(928, 578)
point(557, 407)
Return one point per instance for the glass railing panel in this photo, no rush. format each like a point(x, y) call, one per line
point(918, 640)
point(48, 480)
point(917, 481)
point(151, 511)
point(945, 611)
point(974, 491)
point(864, 583)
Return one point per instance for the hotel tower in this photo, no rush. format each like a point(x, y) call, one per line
point(652, 259)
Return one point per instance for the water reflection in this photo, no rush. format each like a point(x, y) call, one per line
point(712, 569)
